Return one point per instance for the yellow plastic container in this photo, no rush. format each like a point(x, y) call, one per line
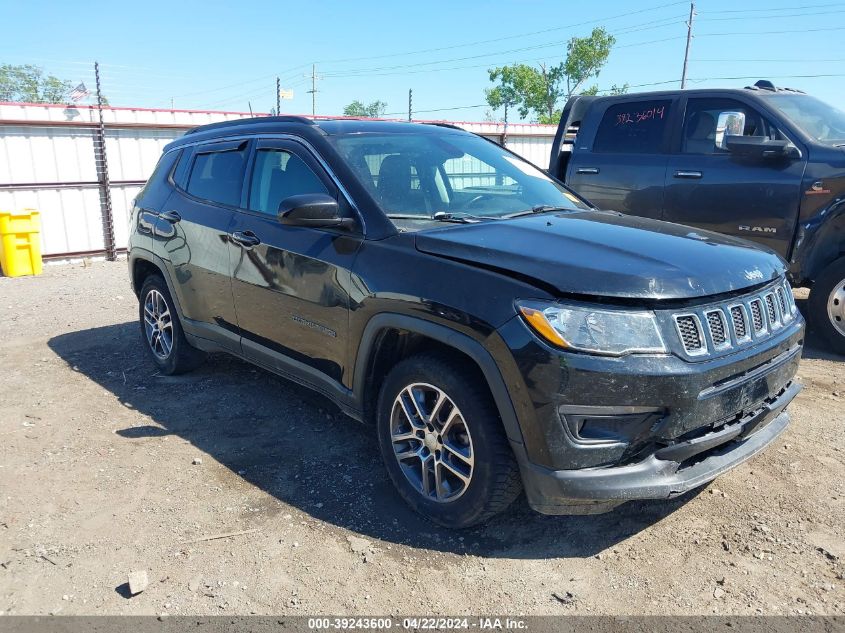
point(20, 242)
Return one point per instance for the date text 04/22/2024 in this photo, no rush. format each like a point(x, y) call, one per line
point(418, 623)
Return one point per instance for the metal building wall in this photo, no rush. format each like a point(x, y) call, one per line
point(52, 169)
point(47, 163)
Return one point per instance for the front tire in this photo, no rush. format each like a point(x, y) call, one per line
point(827, 305)
point(443, 443)
point(162, 332)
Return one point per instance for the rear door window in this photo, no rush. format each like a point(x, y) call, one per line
point(217, 175)
point(639, 127)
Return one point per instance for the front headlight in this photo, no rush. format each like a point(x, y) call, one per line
point(594, 330)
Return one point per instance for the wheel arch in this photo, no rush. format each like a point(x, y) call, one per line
point(824, 245)
point(144, 263)
point(389, 338)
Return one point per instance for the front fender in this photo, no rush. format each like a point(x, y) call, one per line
point(449, 337)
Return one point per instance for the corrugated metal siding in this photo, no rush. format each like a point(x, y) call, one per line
point(51, 164)
point(70, 211)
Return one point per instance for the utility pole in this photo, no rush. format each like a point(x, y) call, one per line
point(278, 97)
point(505, 131)
point(102, 168)
point(410, 103)
point(313, 90)
point(689, 40)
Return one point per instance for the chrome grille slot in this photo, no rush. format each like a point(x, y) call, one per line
point(757, 316)
point(689, 330)
point(718, 331)
point(718, 328)
point(740, 323)
point(781, 301)
point(771, 310)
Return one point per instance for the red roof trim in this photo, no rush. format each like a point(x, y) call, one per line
point(260, 114)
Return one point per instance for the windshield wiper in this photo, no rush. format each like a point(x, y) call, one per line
point(443, 216)
point(539, 208)
point(461, 218)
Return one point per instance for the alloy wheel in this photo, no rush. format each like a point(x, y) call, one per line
point(431, 442)
point(836, 307)
point(158, 324)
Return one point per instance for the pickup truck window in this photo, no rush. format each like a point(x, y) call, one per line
point(823, 122)
point(633, 127)
point(700, 124)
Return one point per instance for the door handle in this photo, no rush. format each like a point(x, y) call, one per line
point(171, 216)
point(688, 174)
point(587, 170)
point(246, 239)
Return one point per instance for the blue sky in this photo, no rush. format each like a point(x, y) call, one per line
point(225, 55)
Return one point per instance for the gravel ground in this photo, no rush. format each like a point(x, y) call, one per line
point(109, 468)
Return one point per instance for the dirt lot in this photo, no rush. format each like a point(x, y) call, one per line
point(109, 468)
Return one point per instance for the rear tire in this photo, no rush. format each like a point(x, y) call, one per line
point(161, 331)
point(455, 465)
point(827, 305)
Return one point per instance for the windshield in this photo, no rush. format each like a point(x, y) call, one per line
point(818, 119)
point(414, 176)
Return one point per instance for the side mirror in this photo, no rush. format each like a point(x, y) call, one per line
point(759, 147)
point(729, 124)
point(316, 210)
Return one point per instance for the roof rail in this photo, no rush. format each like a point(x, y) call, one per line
point(444, 124)
point(252, 121)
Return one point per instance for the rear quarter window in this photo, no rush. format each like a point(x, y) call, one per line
point(217, 176)
point(634, 127)
point(162, 170)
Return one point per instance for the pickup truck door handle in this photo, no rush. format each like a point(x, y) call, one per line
point(688, 174)
point(245, 239)
point(587, 170)
point(171, 216)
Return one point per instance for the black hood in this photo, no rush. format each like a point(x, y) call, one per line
point(608, 254)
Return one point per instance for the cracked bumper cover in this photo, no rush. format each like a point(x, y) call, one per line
point(600, 489)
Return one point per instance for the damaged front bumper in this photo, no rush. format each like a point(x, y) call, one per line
point(597, 432)
point(668, 472)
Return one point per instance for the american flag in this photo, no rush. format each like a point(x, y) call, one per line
point(80, 92)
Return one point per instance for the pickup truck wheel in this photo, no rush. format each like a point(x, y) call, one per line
point(443, 443)
point(162, 332)
point(827, 305)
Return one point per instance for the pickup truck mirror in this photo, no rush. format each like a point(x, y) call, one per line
point(729, 124)
point(760, 147)
point(315, 210)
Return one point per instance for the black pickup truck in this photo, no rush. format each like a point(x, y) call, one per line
point(762, 162)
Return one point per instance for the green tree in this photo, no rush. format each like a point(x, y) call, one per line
point(28, 84)
point(538, 91)
point(513, 85)
point(372, 110)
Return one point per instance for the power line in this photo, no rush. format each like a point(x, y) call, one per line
point(771, 61)
point(506, 37)
point(367, 71)
point(770, 9)
point(738, 78)
point(482, 105)
point(788, 32)
point(771, 17)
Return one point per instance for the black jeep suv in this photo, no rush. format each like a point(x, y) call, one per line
point(497, 331)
